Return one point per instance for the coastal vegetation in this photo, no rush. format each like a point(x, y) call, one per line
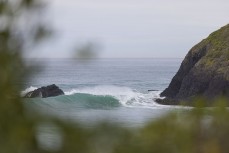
point(203, 72)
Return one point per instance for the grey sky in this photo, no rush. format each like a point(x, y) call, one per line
point(132, 28)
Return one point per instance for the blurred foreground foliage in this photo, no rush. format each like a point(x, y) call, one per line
point(199, 130)
point(87, 51)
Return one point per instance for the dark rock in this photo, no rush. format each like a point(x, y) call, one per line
point(167, 101)
point(44, 92)
point(204, 71)
point(152, 90)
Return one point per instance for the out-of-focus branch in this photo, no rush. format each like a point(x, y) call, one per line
point(87, 51)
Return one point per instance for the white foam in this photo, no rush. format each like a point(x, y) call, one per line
point(126, 96)
point(24, 92)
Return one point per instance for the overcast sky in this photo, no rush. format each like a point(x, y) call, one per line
point(132, 28)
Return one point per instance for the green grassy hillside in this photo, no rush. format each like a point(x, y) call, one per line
point(204, 71)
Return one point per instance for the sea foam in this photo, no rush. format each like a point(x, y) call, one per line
point(126, 96)
point(31, 88)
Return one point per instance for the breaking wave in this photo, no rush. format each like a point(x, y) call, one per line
point(100, 97)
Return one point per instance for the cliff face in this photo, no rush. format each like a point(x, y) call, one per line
point(204, 71)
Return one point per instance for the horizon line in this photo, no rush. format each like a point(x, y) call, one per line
point(103, 58)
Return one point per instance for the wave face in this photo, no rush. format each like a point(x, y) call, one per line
point(82, 100)
point(99, 97)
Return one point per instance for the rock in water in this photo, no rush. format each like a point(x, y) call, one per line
point(44, 92)
point(204, 71)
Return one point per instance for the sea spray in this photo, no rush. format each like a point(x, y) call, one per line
point(24, 92)
point(126, 96)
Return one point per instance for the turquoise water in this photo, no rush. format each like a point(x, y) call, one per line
point(114, 90)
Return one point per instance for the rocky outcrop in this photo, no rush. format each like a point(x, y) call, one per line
point(44, 92)
point(204, 71)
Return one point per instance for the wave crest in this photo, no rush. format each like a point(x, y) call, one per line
point(31, 88)
point(126, 96)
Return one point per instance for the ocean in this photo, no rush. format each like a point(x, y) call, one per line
point(111, 90)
